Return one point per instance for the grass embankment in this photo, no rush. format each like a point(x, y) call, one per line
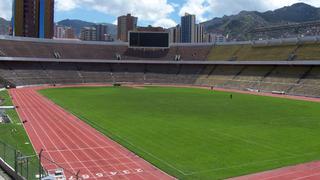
point(14, 140)
point(13, 133)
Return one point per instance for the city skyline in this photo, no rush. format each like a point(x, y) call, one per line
point(165, 13)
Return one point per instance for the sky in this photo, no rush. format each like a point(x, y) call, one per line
point(165, 13)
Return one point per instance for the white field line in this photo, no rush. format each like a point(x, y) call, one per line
point(96, 160)
point(76, 149)
point(307, 177)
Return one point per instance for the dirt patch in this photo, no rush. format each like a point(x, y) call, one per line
point(135, 86)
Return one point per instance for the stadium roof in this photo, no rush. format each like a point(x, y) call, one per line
point(257, 62)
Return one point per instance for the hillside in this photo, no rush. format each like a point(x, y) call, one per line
point(78, 24)
point(236, 26)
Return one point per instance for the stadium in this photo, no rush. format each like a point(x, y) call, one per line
point(191, 111)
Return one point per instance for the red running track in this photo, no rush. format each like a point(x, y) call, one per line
point(308, 171)
point(74, 145)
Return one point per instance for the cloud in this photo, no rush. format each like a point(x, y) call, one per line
point(5, 9)
point(154, 11)
point(66, 5)
point(197, 7)
point(273, 4)
point(159, 12)
point(165, 22)
point(205, 9)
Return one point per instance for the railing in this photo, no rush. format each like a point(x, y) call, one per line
point(33, 167)
point(25, 167)
point(51, 168)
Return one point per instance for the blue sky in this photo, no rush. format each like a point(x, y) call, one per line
point(164, 13)
point(91, 15)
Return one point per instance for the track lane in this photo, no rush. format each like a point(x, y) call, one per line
point(69, 141)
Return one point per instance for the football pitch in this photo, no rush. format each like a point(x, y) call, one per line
point(196, 133)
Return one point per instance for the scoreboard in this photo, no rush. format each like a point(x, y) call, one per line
point(149, 39)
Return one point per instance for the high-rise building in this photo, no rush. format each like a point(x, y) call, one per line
point(214, 38)
point(219, 38)
point(208, 38)
point(108, 37)
point(199, 34)
point(102, 31)
point(125, 24)
point(88, 34)
point(59, 32)
point(3, 29)
point(175, 34)
point(63, 32)
point(69, 33)
point(33, 18)
point(188, 28)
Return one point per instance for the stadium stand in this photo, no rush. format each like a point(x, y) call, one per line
point(162, 74)
point(188, 74)
point(62, 73)
point(94, 73)
point(26, 73)
point(220, 75)
point(244, 77)
point(129, 73)
point(265, 50)
point(37, 62)
point(309, 84)
point(29, 49)
point(282, 50)
point(195, 53)
point(249, 52)
point(224, 53)
point(308, 51)
point(298, 80)
point(133, 54)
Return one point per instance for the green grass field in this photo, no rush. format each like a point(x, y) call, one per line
point(200, 134)
point(13, 133)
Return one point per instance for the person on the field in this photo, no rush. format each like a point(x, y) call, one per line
point(231, 96)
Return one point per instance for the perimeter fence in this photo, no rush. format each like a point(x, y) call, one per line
point(33, 167)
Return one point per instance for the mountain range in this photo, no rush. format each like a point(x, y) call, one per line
point(78, 24)
point(237, 26)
